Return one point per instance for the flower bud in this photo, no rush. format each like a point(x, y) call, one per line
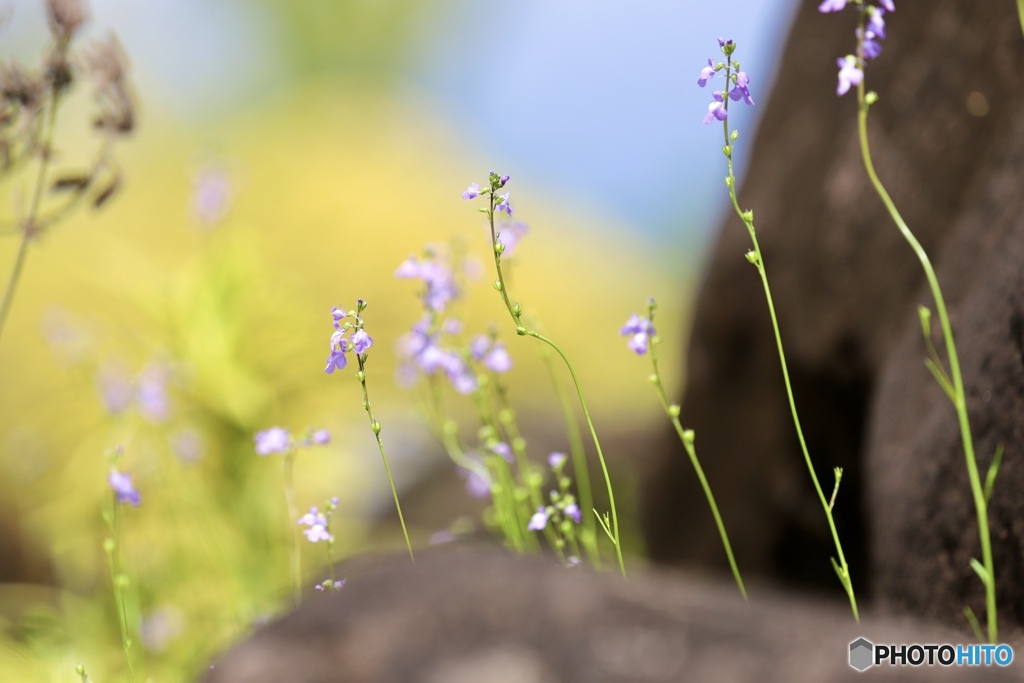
point(751, 257)
point(673, 410)
point(375, 427)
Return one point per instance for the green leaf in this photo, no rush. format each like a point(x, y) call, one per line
point(980, 570)
point(940, 376)
point(975, 626)
point(993, 470)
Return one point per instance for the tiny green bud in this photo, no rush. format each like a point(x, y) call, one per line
point(925, 314)
point(518, 444)
point(499, 248)
point(375, 427)
point(751, 256)
point(366, 404)
point(520, 330)
point(673, 410)
point(727, 150)
point(536, 479)
point(564, 482)
point(734, 136)
point(871, 98)
point(559, 543)
point(728, 181)
point(521, 494)
point(517, 310)
point(360, 375)
point(497, 285)
point(652, 378)
point(109, 545)
point(121, 581)
point(450, 428)
point(748, 216)
point(688, 437)
point(80, 669)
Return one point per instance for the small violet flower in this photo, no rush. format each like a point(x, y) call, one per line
point(716, 110)
point(741, 89)
point(321, 437)
point(121, 484)
point(510, 233)
point(706, 74)
point(498, 360)
point(556, 460)
point(361, 341)
point(572, 510)
point(503, 204)
point(832, 6)
point(640, 330)
point(849, 74)
point(538, 521)
point(472, 192)
point(273, 440)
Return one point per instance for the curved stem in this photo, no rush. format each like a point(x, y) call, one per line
point(842, 569)
point(959, 396)
point(375, 427)
point(522, 331)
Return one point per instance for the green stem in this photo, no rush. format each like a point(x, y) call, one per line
point(375, 427)
point(959, 397)
point(117, 578)
point(293, 516)
point(1020, 11)
point(842, 569)
point(687, 440)
point(588, 536)
point(522, 331)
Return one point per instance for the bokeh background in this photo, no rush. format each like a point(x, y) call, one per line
point(289, 155)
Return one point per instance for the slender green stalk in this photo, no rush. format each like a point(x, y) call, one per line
point(516, 314)
point(757, 259)
point(1020, 11)
point(293, 517)
point(29, 227)
point(375, 426)
point(958, 397)
point(588, 536)
point(112, 546)
point(687, 437)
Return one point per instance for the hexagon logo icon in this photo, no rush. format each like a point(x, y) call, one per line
point(862, 653)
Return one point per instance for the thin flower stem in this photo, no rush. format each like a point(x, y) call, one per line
point(687, 440)
point(959, 398)
point(113, 548)
point(522, 331)
point(293, 517)
point(842, 569)
point(29, 227)
point(588, 536)
point(375, 427)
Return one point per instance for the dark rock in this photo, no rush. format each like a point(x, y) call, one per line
point(462, 615)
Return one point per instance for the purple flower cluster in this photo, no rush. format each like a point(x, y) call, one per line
point(423, 352)
point(439, 285)
point(148, 391)
point(492, 353)
point(359, 341)
point(318, 526)
point(640, 330)
point(851, 68)
point(739, 80)
point(496, 183)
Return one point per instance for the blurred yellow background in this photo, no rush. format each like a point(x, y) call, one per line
point(332, 181)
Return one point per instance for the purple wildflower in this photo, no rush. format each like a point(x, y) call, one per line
point(876, 23)
point(361, 341)
point(832, 6)
point(849, 74)
point(641, 330)
point(510, 233)
point(472, 192)
point(503, 449)
point(478, 347)
point(478, 484)
point(716, 110)
point(572, 511)
point(706, 74)
point(273, 440)
point(498, 360)
point(503, 204)
point(121, 484)
point(437, 278)
point(538, 521)
point(741, 89)
point(870, 47)
point(151, 394)
point(321, 437)
point(888, 5)
point(556, 459)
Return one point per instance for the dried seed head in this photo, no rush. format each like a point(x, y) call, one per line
point(65, 17)
point(17, 86)
point(107, 65)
